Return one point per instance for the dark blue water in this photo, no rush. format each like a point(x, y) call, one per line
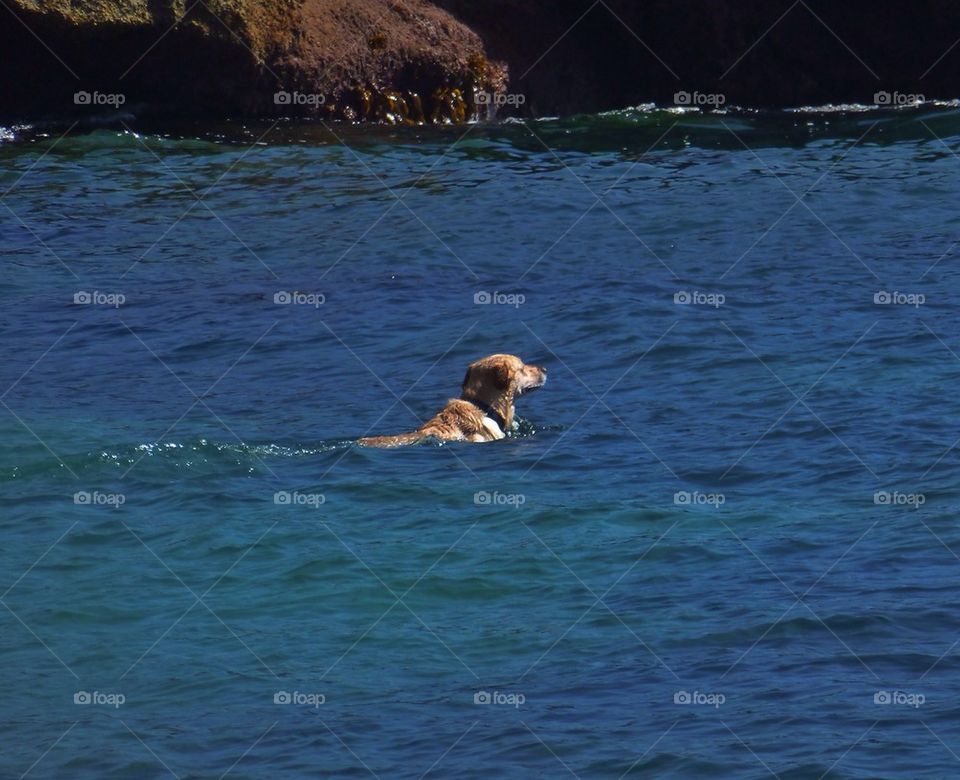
point(723, 542)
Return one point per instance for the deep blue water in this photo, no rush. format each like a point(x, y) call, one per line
point(590, 595)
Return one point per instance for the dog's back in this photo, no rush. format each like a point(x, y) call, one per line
point(386, 442)
point(458, 421)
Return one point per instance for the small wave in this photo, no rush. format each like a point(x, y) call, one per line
point(13, 132)
point(199, 454)
point(160, 449)
point(862, 108)
point(833, 108)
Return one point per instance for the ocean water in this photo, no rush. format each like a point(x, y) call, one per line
point(723, 542)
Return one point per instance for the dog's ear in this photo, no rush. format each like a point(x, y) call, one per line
point(502, 376)
point(498, 375)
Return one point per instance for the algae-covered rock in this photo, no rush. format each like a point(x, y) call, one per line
point(241, 57)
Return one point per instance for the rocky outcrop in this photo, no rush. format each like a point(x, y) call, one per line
point(405, 60)
point(423, 60)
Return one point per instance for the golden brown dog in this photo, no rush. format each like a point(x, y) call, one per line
point(484, 411)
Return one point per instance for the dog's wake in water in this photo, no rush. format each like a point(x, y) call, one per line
point(206, 452)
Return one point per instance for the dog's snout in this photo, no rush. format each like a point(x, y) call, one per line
point(539, 375)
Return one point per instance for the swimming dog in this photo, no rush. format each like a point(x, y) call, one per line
point(483, 412)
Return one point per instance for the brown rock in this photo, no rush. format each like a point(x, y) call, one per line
point(222, 57)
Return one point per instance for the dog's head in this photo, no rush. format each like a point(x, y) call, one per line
point(498, 379)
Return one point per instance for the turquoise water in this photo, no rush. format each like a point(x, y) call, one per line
point(722, 544)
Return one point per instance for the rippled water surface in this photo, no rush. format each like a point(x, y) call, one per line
point(723, 542)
